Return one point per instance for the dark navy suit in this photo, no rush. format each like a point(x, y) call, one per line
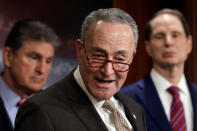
point(144, 92)
point(5, 123)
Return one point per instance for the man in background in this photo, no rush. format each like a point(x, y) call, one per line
point(88, 99)
point(27, 57)
point(169, 100)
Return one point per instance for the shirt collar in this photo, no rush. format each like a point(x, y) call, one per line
point(95, 102)
point(162, 84)
point(10, 98)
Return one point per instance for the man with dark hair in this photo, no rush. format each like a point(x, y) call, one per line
point(27, 57)
point(169, 100)
point(88, 99)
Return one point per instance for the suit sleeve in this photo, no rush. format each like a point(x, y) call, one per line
point(32, 117)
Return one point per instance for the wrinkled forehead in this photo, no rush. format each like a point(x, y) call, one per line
point(104, 27)
point(110, 36)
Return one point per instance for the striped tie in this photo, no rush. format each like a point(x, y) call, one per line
point(177, 116)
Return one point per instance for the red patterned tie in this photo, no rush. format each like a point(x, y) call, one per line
point(21, 101)
point(177, 115)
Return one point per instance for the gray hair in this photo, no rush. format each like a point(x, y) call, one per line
point(113, 15)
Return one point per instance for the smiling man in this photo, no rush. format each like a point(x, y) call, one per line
point(27, 58)
point(84, 99)
point(169, 100)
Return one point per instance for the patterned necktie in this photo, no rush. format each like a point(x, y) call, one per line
point(116, 118)
point(177, 115)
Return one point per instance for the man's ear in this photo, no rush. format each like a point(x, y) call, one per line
point(134, 52)
point(8, 56)
point(148, 48)
point(189, 42)
point(79, 46)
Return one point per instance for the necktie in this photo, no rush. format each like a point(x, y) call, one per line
point(21, 101)
point(116, 117)
point(177, 115)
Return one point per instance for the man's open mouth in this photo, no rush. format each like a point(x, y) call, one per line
point(104, 81)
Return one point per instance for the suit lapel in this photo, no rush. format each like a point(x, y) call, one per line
point(88, 115)
point(5, 123)
point(193, 92)
point(153, 105)
point(83, 108)
point(128, 111)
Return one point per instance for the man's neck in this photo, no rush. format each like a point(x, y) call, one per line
point(172, 73)
point(10, 84)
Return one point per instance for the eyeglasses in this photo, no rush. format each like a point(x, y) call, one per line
point(98, 63)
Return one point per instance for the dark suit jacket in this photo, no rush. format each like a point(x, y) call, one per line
point(65, 107)
point(144, 92)
point(5, 123)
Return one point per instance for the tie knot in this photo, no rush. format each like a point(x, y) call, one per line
point(109, 105)
point(21, 101)
point(173, 90)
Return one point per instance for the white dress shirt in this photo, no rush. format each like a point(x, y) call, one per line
point(162, 85)
point(98, 104)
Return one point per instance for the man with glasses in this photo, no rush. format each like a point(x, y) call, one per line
point(88, 98)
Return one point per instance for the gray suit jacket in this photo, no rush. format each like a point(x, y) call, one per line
point(65, 107)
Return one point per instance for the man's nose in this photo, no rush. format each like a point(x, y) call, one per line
point(41, 67)
point(169, 40)
point(107, 68)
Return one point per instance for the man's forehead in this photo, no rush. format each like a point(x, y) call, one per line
point(162, 22)
point(108, 51)
point(165, 18)
point(39, 48)
point(36, 44)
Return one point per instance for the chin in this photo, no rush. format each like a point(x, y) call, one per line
point(35, 87)
point(104, 96)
